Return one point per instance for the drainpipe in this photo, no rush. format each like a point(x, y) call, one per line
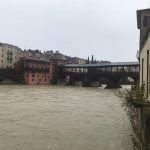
point(147, 71)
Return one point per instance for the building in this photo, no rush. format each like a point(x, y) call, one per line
point(57, 59)
point(143, 24)
point(75, 60)
point(29, 53)
point(53, 58)
point(36, 71)
point(78, 60)
point(8, 55)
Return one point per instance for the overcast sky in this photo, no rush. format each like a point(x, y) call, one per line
point(105, 28)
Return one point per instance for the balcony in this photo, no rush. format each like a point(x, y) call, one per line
point(39, 70)
point(10, 53)
point(9, 58)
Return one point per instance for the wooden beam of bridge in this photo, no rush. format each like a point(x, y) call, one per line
point(114, 64)
point(107, 67)
point(93, 72)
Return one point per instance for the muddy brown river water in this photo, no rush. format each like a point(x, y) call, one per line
point(62, 118)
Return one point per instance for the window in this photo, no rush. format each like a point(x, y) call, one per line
point(32, 79)
point(146, 22)
point(147, 70)
point(142, 67)
point(33, 75)
point(2, 55)
point(2, 61)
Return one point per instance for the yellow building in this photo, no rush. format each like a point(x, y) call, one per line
point(77, 60)
point(8, 55)
point(143, 22)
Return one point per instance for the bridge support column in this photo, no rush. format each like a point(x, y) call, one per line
point(136, 80)
point(113, 84)
point(69, 80)
point(60, 82)
point(95, 84)
point(78, 83)
point(86, 82)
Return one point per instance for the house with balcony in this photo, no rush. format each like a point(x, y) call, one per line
point(36, 71)
point(8, 55)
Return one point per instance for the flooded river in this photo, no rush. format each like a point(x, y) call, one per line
point(62, 118)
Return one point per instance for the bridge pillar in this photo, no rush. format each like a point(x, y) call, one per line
point(69, 80)
point(61, 82)
point(78, 83)
point(113, 84)
point(86, 82)
point(136, 80)
point(95, 84)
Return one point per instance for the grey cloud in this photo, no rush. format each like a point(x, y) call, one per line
point(104, 28)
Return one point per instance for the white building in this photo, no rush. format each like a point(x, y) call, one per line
point(143, 21)
point(8, 55)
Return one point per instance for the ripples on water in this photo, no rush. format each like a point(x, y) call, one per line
point(62, 118)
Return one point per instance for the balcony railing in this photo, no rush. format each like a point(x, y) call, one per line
point(40, 70)
point(9, 58)
point(9, 53)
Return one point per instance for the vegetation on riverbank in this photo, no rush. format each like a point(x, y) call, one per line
point(136, 92)
point(134, 104)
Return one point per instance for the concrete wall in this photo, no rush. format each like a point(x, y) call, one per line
point(143, 55)
point(141, 126)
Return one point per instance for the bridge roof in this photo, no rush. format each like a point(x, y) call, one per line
point(101, 65)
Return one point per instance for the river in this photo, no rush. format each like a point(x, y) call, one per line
point(62, 118)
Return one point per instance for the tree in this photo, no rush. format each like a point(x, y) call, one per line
point(92, 59)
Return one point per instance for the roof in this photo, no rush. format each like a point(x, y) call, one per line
point(101, 65)
point(139, 12)
point(35, 59)
point(2, 44)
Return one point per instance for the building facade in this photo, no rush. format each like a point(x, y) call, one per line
point(8, 56)
point(143, 22)
point(75, 60)
point(36, 71)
